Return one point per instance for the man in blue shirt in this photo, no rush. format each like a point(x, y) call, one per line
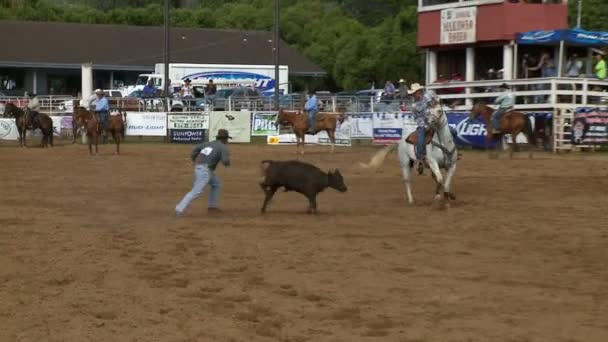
point(101, 110)
point(149, 90)
point(311, 107)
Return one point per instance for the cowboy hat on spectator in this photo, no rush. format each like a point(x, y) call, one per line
point(415, 88)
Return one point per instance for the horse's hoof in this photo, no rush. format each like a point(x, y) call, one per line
point(451, 196)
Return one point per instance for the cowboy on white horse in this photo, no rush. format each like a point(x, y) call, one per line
point(426, 105)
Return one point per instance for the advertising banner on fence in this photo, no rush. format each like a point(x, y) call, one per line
point(362, 126)
point(193, 121)
point(290, 139)
point(387, 127)
point(186, 136)
point(147, 124)
point(470, 132)
point(8, 129)
point(590, 127)
point(237, 123)
point(264, 124)
point(343, 137)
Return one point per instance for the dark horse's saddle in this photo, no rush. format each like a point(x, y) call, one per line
point(413, 137)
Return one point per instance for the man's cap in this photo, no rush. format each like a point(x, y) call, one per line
point(223, 134)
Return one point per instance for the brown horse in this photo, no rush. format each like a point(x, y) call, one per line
point(88, 120)
point(116, 127)
point(512, 122)
point(298, 119)
point(28, 119)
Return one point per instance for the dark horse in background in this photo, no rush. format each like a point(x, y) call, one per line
point(27, 119)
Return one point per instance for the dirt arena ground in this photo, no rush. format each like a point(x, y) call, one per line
point(90, 251)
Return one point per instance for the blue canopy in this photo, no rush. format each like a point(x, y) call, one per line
point(571, 36)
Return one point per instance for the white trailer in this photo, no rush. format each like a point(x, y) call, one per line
point(221, 74)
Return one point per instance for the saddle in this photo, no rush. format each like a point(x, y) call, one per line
point(413, 137)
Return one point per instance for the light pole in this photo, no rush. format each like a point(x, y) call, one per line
point(166, 48)
point(578, 14)
point(276, 55)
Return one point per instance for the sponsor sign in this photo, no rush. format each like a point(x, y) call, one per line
point(186, 136)
point(361, 125)
point(458, 25)
point(8, 129)
point(197, 121)
point(387, 127)
point(473, 132)
point(290, 139)
point(147, 124)
point(264, 124)
point(342, 135)
point(590, 127)
point(238, 125)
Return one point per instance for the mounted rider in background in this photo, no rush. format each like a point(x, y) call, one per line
point(504, 104)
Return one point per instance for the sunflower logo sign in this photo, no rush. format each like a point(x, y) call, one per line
point(8, 130)
point(273, 140)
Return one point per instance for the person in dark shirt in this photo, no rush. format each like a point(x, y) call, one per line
point(211, 88)
point(205, 158)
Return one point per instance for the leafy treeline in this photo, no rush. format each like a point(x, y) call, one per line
point(356, 41)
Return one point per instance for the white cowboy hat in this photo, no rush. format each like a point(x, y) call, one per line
point(98, 91)
point(401, 80)
point(415, 88)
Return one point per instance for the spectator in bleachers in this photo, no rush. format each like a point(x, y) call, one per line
point(389, 90)
point(149, 90)
point(573, 66)
point(402, 89)
point(210, 89)
point(600, 66)
point(547, 69)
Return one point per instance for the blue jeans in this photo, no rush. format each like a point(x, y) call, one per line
point(103, 118)
point(496, 116)
point(311, 119)
point(202, 176)
point(421, 146)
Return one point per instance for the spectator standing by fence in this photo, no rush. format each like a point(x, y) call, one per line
point(389, 90)
point(600, 66)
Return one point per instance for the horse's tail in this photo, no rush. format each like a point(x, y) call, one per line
point(528, 131)
point(378, 158)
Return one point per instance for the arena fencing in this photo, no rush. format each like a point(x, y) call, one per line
point(383, 122)
point(247, 126)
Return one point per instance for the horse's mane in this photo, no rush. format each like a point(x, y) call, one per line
point(13, 109)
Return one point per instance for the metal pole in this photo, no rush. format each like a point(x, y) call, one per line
point(276, 55)
point(166, 76)
point(578, 15)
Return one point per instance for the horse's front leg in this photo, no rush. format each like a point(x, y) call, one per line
point(491, 154)
point(434, 166)
point(332, 139)
point(302, 142)
point(447, 192)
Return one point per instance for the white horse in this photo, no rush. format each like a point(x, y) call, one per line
point(440, 153)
